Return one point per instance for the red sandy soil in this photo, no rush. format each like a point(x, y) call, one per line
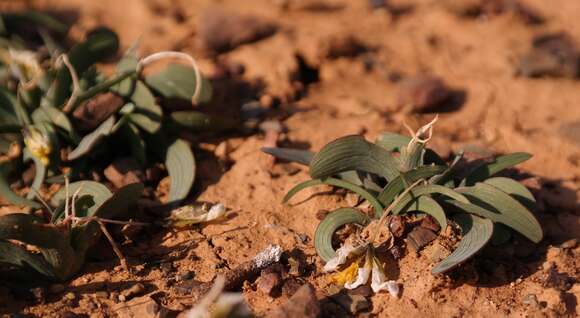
point(501, 113)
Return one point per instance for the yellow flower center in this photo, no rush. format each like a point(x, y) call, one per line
point(346, 275)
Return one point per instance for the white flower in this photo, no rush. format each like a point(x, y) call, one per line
point(371, 268)
point(190, 214)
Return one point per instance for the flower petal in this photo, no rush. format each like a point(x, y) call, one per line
point(216, 211)
point(341, 256)
point(379, 282)
point(362, 278)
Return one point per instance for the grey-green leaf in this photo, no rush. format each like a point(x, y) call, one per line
point(476, 233)
point(178, 81)
point(12, 197)
point(425, 190)
point(429, 206)
point(500, 163)
point(97, 191)
point(353, 153)
point(49, 114)
point(515, 189)
point(198, 121)
point(180, 164)
point(91, 140)
point(293, 155)
point(327, 227)
point(498, 206)
point(397, 185)
point(337, 183)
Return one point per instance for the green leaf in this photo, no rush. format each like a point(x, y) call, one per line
point(500, 163)
point(198, 121)
point(337, 183)
point(97, 191)
point(515, 189)
point(87, 235)
point(29, 229)
point(12, 197)
point(35, 19)
point(476, 233)
point(426, 189)
point(397, 185)
point(501, 234)
point(392, 141)
point(93, 139)
point(99, 44)
point(136, 143)
point(353, 153)
point(24, 260)
point(178, 81)
point(293, 155)
point(446, 178)
point(52, 115)
point(8, 115)
point(40, 174)
point(147, 114)
point(492, 203)
point(180, 164)
point(331, 223)
point(429, 206)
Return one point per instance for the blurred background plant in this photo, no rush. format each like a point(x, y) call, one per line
point(62, 118)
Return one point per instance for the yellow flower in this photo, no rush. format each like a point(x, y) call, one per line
point(354, 275)
point(346, 275)
point(38, 144)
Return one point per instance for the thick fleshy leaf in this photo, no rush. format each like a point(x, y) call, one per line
point(327, 227)
point(147, 114)
point(337, 183)
point(8, 117)
point(39, 175)
point(392, 141)
point(500, 163)
point(136, 143)
point(397, 185)
point(446, 178)
point(198, 121)
point(26, 261)
point(86, 235)
point(353, 153)
point(35, 19)
point(178, 81)
point(426, 189)
point(476, 233)
point(180, 164)
point(429, 206)
point(31, 230)
point(501, 234)
point(293, 155)
point(98, 193)
point(52, 115)
point(492, 203)
point(515, 189)
point(91, 140)
point(99, 44)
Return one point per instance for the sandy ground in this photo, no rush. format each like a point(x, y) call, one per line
point(500, 112)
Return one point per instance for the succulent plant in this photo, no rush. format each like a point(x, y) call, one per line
point(70, 118)
point(34, 249)
point(398, 174)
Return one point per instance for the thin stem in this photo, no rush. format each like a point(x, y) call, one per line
point(101, 87)
point(176, 55)
point(116, 249)
point(75, 80)
point(390, 208)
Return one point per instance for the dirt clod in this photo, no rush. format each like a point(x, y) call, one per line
point(269, 282)
point(420, 237)
point(124, 171)
point(138, 307)
point(422, 93)
point(93, 112)
point(221, 31)
point(551, 55)
point(133, 291)
point(302, 304)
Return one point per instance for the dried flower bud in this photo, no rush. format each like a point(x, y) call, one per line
point(38, 144)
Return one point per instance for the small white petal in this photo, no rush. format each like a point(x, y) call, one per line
point(379, 282)
point(216, 211)
point(341, 256)
point(362, 278)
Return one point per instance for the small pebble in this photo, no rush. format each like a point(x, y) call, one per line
point(530, 300)
point(135, 290)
